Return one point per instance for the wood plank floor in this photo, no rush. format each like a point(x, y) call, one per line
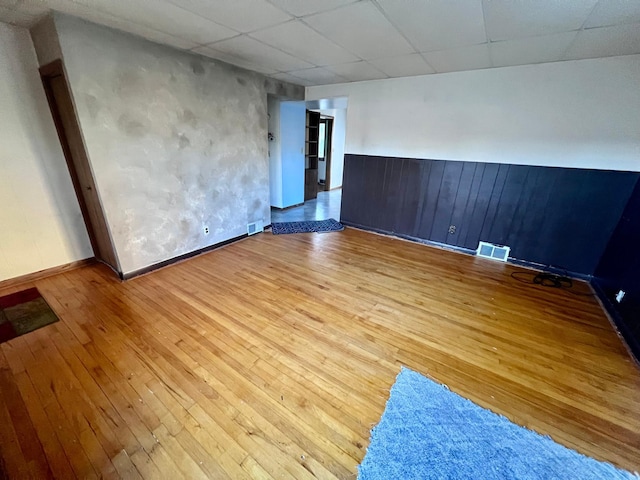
point(273, 358)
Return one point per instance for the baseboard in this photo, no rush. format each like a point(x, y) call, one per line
point(48, 272)
point(430, 243)
point(181, 258)
point(617, 323)
point(551, 269)
point(468, 251)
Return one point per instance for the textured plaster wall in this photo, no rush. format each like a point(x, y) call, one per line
point(40, 221)
point(176, 141)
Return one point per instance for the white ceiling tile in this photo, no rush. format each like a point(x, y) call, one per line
point(301, 41)
point(258, 53)
point(362, 30)
point(614, 12)
point(357, 71)
point(300, 8)
point(405, 66)
point(158, 15)
point(437, 24)
point(148, 33)
point(337, 34)
point(507, 19)
point(605, 42)
point(241, 15)
point(318, 76)
point(108, 20)
point(287, 77)
point(463, 58)
point(239, 62)
point(522, 51)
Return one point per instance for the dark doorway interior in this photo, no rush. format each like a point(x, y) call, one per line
point(325, 132)
point(311, 155)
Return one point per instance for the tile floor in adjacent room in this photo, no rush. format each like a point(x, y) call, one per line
point(327, 205)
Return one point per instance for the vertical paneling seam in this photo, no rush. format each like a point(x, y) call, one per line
point(486, 212)
point(437, 201)
point(504, 182)
point(455, 200)
point(466, 206)
point(422, 195)
point(517, 209)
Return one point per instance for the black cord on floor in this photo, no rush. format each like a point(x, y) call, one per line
point(548, 279)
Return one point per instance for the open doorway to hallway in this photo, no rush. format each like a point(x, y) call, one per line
point(324, 153)
point(306, 158)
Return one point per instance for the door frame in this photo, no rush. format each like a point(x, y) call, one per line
point(47, 73)
point(328, 145)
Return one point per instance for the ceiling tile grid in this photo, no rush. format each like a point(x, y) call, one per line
point(473, 57)
point(313, 42)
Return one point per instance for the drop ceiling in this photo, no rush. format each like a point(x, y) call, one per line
point(314, 42)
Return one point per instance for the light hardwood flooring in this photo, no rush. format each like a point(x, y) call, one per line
point(273, 358)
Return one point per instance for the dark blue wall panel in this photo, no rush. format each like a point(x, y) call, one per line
point(619, 269)
point(562, 217)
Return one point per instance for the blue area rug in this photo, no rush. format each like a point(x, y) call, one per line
point(330, 225)
point(429, 432)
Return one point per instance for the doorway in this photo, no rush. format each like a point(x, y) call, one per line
point(311, 151)
point(64, 116)
point(324, 153)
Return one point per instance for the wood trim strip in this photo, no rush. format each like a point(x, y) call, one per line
point(47, 272)
point(186, 256)
point(617, 322)
point(62, 106)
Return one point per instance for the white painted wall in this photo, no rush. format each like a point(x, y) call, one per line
point(322, 164)
point(275, 152)
point(41, 224)
point(582, 114)
point(337, 147)
point(286, 152)
point(292, 131)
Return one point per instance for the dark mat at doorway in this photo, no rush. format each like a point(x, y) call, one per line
point(318, 226)
point(23, 312)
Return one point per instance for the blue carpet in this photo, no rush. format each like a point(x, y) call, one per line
point(330, 225)
point(429, 432)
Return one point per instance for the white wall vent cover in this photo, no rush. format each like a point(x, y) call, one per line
point(495, 252)
point(255, 227)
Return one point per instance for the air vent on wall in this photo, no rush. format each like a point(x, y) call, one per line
point(494, 252)
point(255, 227)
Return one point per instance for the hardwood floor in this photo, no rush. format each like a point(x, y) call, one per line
point(273, 358)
